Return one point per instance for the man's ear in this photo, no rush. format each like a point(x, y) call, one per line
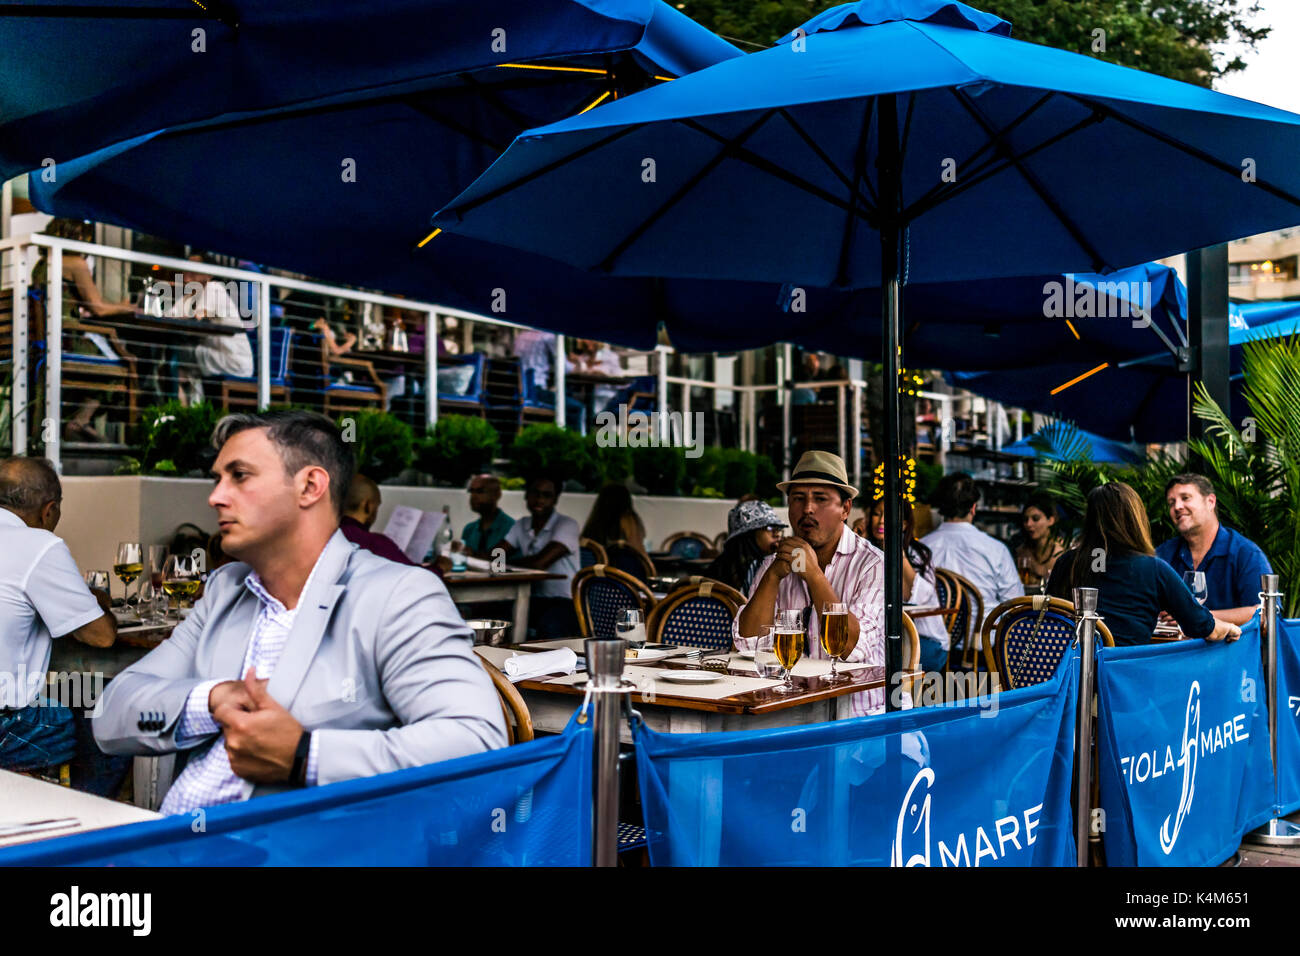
point(1212, 500)
point(50, 515)
point(314, 485)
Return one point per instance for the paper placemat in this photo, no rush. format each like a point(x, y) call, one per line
point(728, 686)
point(578, 644)
point(806, 667)
point(497, 656)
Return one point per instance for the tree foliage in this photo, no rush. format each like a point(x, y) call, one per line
point(1196, 41)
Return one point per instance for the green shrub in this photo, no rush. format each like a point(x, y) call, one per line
point(610, 463)
point(459, 446)
point(512, 484)
point(660, 471)
point(176, 439)
point(733, 472)
point(384, 445)
point(550, 450)
point(765, 477)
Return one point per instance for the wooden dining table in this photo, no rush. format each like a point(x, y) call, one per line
point(551, 702)
point(167, 329)
point(473, 586)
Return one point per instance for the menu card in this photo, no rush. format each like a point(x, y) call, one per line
point(413, 530)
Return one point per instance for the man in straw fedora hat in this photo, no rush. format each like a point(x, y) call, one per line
point(822, 562)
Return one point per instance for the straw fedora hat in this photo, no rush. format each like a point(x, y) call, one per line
point(819, 468)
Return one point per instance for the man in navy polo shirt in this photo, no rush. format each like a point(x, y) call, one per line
point(1232, 562)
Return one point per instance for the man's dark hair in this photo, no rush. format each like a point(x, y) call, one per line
point(955, 495)
point(1200, 482)
point(303, 439)
point(536, 479)
point(28, 484)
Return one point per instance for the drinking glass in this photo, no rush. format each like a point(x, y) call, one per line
point(836, 638)
point(788, 637)
point(97, 580)
point(631, 628)
point(151, 590)
point(765, 660)
point(181, 579)
point(128, 565)
point(1195, 581)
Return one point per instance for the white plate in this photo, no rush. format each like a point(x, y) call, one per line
point(645, 655)
point(689, 677)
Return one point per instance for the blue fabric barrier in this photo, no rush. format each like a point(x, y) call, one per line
point(527, 805)
point(1183, 750)
point(983, 783)
point(1288, 715)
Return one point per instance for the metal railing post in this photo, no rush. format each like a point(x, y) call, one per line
point(857, 435)
point(561, 382)
point(263, 345)
point(1277, 832)
point(605, 674)
point(53, 436)
point(841, 421)
point(661, 388)
point(1085, 610)
point(24, 261)
point(430, 369)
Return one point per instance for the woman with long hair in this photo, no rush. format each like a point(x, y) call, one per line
point(1042, 542)
point(614, 524)
point(1115, 556)
point(918, 583)
point(753, 532)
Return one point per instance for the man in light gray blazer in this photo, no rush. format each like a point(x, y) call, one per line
point(308, 661)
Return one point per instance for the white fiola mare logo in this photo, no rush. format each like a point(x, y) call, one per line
point(1191, 730)
point(1008, 830)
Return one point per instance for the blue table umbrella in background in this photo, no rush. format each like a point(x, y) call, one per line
point(267, 182)
point(888, 142)
point(1059, 442)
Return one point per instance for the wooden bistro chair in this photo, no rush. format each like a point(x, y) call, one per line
point(688, 544)
point(519, 723)
point(719, 542)
point(591, 552)
point(366, 392)
point(698, 614)
point(911, 658)
point(242, 392)
point(600, 592)
point(619, 554)
point(956, 592)
point(1025, 638)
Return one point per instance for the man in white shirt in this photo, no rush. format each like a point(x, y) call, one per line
point(547, 541)
point(216, 354)
point(42, 598)
point(960, 546)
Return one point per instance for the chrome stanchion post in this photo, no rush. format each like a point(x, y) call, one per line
point(605, 676)
point(1277, 832)
point(1085, 611)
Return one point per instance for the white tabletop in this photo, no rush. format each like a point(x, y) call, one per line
point(26, 799)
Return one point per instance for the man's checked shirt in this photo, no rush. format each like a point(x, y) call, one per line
point(209, 780)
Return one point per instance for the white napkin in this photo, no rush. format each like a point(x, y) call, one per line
point(527, 666)
point(477, 564)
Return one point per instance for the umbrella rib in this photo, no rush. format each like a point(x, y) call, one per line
point(850, 219)
point(455, 126)
point(728, 148)
point(1183, 147)
point(745, 156)
point(1098, 260)
point(514, 184)
point(813, 145)
point(940, 186)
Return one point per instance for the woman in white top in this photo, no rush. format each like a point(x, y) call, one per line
point(918, 584)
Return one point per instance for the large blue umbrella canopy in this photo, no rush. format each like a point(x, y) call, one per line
point(269, 184)
point(889, 142)
point(1058, 442)
point(83, 75)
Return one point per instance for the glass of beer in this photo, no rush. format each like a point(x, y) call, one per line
point(787, 640)
point(181, 579)
point(837, 641)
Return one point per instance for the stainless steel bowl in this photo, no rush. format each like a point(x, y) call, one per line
point(489, 632)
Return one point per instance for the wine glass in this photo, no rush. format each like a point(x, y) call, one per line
point(631, 628)
point(788, 637)
point(181, 579)
point(128, 566)
point(97, 580)
point(1195, 581)
point(151, 590)
point(836, 637)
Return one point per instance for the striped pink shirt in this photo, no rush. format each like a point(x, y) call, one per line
point(856, 573)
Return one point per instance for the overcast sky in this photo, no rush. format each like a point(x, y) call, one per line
point(1272, 74)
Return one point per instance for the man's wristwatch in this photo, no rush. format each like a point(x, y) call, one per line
point(298, 775)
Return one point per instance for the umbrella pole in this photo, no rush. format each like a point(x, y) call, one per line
point(891, 243)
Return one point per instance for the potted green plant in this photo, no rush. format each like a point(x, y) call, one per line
point(384, 445)
point(458, 446)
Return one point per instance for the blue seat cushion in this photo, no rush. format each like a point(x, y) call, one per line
point(345, 387)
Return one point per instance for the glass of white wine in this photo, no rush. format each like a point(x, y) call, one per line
point(181, 579)
point(787, 640)
point(128, 566)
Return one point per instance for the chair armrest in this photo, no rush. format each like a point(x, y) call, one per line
point(109, 333)
point(363, 364)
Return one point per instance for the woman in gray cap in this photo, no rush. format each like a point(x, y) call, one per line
point(753, 532)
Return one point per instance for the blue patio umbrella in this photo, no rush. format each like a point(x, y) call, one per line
point(888, 142)
point(268, 184)
point(81, 75)
point(1056, 442)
